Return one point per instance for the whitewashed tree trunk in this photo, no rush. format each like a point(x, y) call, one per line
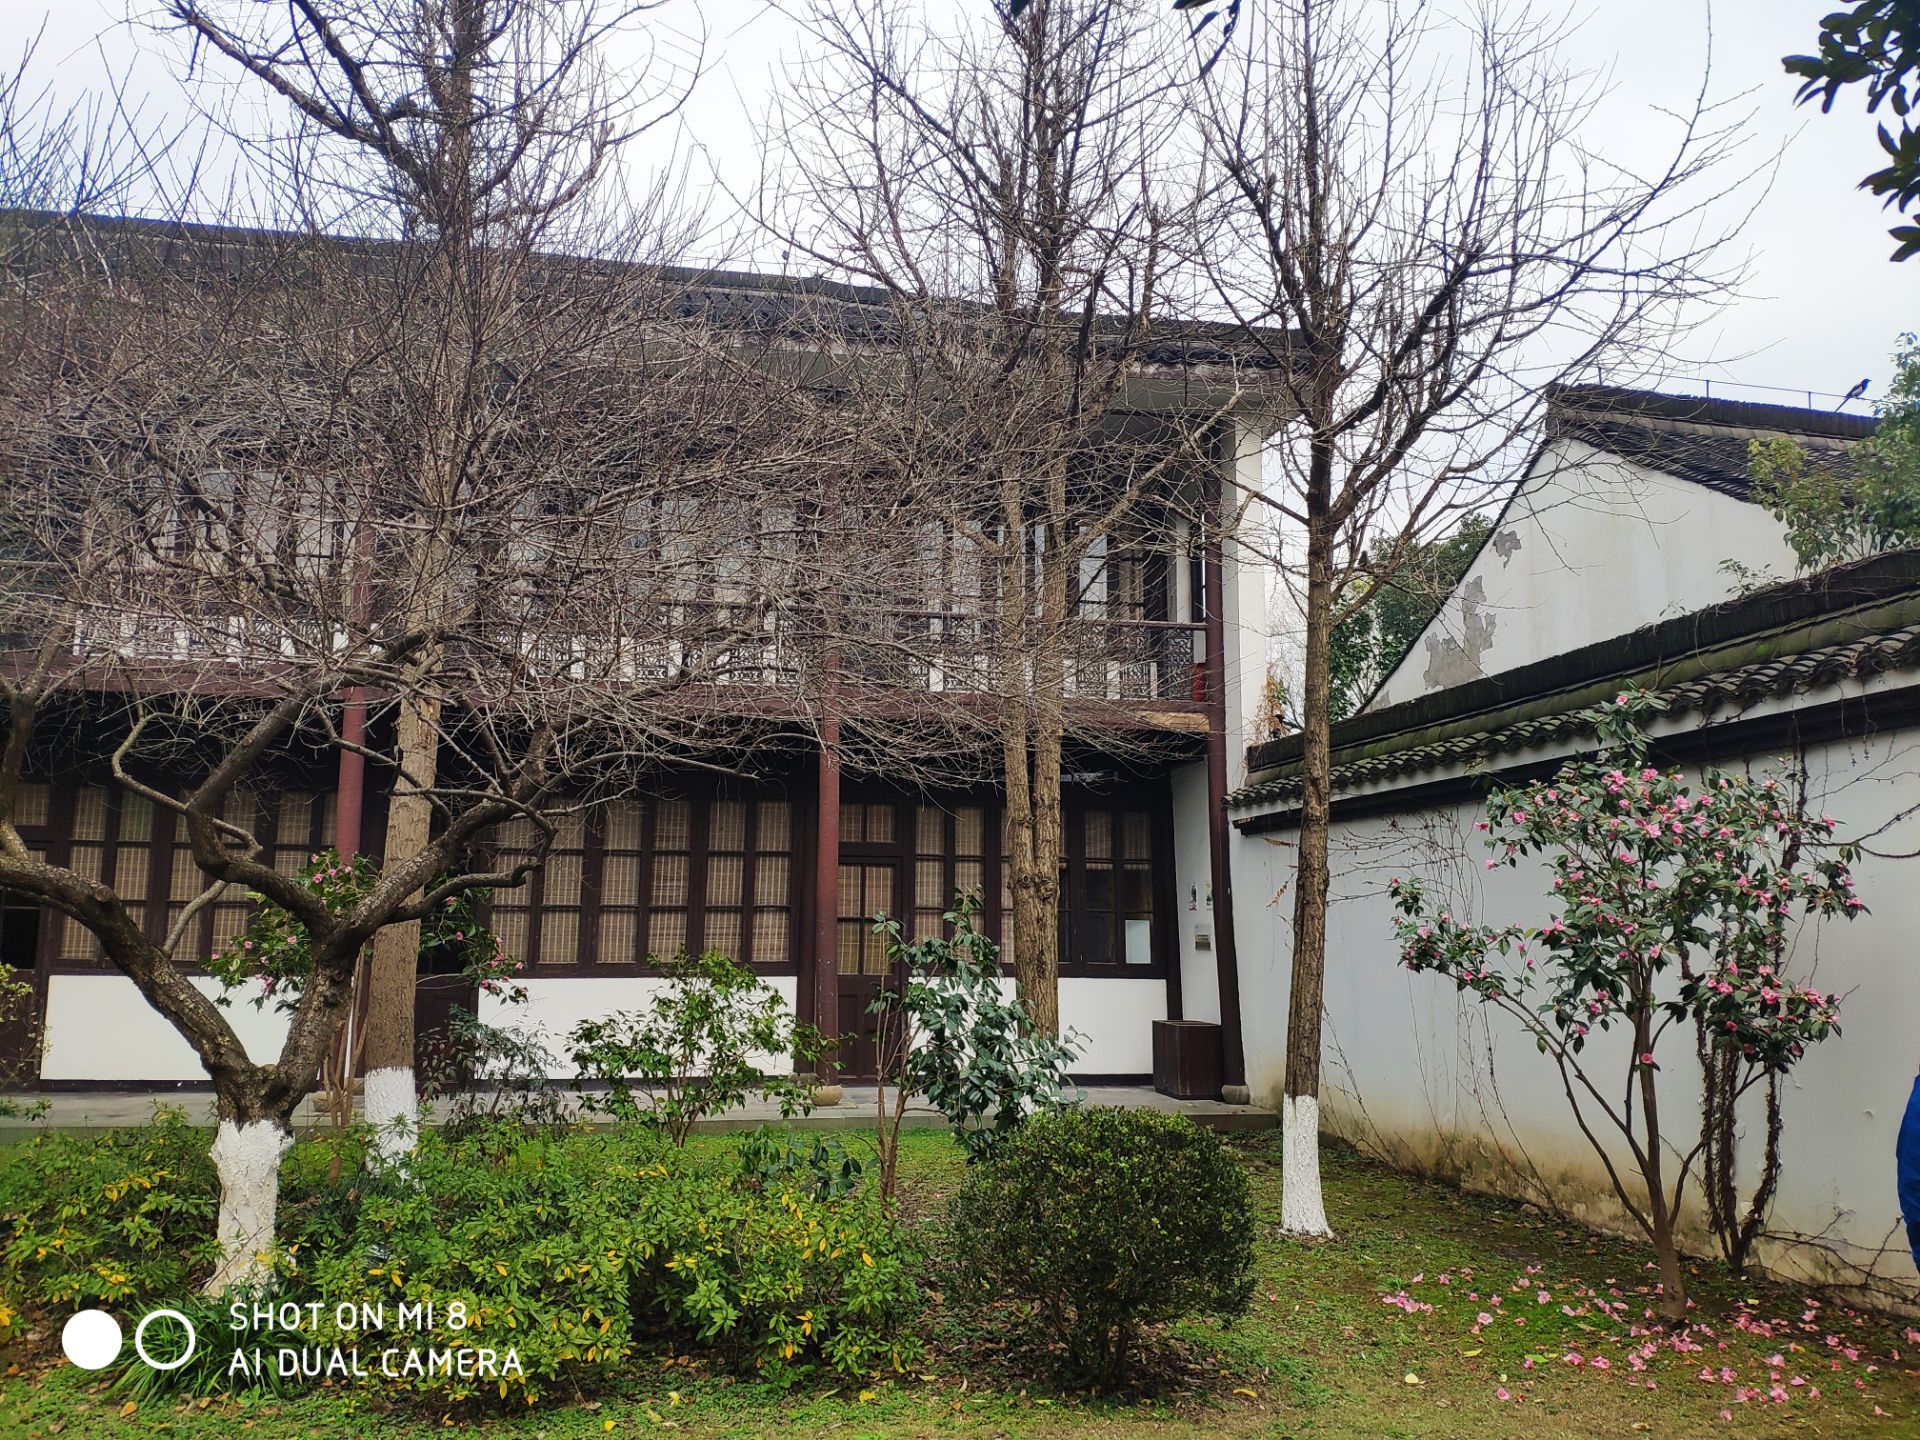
point(389, 1100)
point(391, 1105)
point(246, 1156)
point(1303, 1212)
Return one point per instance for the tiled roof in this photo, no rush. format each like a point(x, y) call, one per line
point(1873, 626)
point(798, 307)
point(1697, 438)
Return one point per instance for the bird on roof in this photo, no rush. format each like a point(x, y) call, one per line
point(1857, 392)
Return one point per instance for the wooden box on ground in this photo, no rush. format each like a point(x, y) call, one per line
point(1186, 1059)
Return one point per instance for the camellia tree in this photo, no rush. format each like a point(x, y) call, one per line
point(1668, 909)
point(270, 962)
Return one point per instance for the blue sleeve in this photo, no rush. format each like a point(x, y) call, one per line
point(1909, 1162)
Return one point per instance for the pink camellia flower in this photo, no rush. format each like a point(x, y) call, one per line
point(1646, 1057)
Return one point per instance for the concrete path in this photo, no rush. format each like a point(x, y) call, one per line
point(94, 1110)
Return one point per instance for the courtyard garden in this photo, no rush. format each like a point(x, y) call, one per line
point(1433, 1313)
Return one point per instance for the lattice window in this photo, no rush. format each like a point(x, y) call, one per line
point(86, 857)
point(726, 876)
point(866, 824)
point(623, 829)
point(650, 877)
point(771, 942)
point(512, 910)
point(949, 860)
point(1136, 889)
point(672, 897)
point(231, 910)
point(31, 803)
point(865, 890)
point(560, 891)
point(1112, 923)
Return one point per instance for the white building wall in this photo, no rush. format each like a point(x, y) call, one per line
point(1246, 625)
point(1591, 547)
point(1429, 1078)
point(100, 1027)
point(1114, 1018)
point(1193, 896)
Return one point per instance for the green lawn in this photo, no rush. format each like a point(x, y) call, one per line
point(1341, 1343)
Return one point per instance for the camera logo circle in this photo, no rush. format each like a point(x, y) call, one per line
point(91, 1339)
point(140, 1339)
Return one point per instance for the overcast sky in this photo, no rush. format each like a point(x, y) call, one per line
point(1823, 307)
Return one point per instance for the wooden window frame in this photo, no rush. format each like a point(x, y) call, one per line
point(700, 801)
point(1156, 803)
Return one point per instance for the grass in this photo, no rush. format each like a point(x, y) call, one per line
point(1391, 1332)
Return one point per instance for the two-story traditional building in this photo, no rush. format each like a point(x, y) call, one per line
point(783, 862)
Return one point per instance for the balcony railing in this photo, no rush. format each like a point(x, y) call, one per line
point(1115, 660)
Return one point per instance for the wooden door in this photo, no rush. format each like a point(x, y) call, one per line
point(867, 888)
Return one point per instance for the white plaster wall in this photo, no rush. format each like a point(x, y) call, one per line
point(1245, 623)
point(1415, 1071)
point(1193, 891)
point(1591, 547)
point(1115, 1017)
point(556, 1004)
point(100, 1027)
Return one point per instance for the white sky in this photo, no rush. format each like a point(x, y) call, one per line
point(1823, 307)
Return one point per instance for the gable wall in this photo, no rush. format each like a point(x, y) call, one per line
point(1591, 546)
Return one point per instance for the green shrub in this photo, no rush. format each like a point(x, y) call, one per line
point(576, 1251)
point(773, 1157)
point(572, 1250)
point(489, 1075)
point(695, 1050)
point(775, 1278)
point(1105, 1220)
point(531, 1238)
point(976, 1055)
point(107, 1217)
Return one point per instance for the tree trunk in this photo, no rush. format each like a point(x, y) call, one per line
point(1033, 875)
point(1302, 1209)
point(390, 1101)
point(1030, 761)
point(247, 1150)
point(1665, 1221)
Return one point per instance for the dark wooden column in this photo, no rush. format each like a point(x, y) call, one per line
point(1233, 1052)
point(349, 801)
point(823, 969)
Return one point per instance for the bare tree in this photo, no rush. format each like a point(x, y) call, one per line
point(1003, 194)
point(450, 507)
point(1411, 200)
point(477, 133)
